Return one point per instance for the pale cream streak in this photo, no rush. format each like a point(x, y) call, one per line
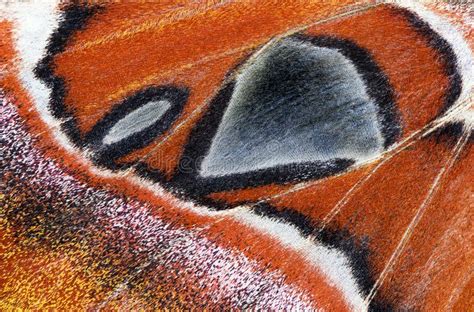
point(419, 214)
point(199, 109)
point(443, 257)
point(429, 128)
point(174, 71)
point(178, 68)
point(457, 291)
point(101, 173)
point(344, 200)
point(172, 17)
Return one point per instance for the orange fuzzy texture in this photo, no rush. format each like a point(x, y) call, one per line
point(380, 210)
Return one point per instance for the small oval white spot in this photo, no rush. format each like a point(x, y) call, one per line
point(138, 120)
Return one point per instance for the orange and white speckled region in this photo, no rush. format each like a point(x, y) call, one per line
point(234, 155)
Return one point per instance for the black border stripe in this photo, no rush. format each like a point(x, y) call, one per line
point(378, 85)
point(73, 19)
point(446, 53)
point(356, 250)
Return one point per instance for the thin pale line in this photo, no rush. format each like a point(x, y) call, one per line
point(419, 214)
point(175, 70)
point(393, 151)
point(218, 55)
point(173, 16)
point(345, 199)
point(116, 95)
point(456, 292)
point(410, 140)
point(383, 158)
point(181, 15)
point(221, 54)
point(329, 19)
point(230, 52)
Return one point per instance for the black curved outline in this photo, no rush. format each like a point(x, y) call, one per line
point(356, 250)
point(73, 19)
point(106, 155)
point(188, 179)
point(446, 53)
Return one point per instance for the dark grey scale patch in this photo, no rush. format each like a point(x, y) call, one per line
point(297, 103)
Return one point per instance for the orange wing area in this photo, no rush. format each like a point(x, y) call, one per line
point(439, 255)
point(413, 67)
point(157, 46)
point(382, 209)
point(432, 271)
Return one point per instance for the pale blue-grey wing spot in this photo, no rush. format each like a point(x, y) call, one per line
point(136, 121)
point(295, 103)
